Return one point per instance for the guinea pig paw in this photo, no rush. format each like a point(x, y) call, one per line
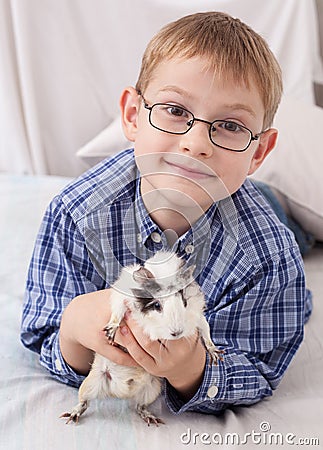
point(215, 355)
point(147, 416)
point(77, 411)
point(110, 332)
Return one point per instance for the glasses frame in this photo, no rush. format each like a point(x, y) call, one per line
point(253, 137)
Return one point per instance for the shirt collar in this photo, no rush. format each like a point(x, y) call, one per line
point(145, 224)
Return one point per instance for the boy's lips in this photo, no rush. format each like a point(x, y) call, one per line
point(189, 171)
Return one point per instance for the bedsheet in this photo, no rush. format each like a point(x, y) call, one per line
point(31, 401)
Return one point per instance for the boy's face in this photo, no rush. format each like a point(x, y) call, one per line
point(188, 169)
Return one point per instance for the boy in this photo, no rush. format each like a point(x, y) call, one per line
point(200, 119)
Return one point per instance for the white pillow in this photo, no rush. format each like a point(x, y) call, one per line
point(294, 168)
point(108, 142)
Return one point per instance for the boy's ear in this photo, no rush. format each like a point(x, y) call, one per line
point(129, 106)
point(267, 143)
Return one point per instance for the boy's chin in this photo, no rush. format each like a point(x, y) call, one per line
point(183, 201)
point(188, 193)
point(188, 203)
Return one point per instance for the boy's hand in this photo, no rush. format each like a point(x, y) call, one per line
point(81, 332)
point(180, 361)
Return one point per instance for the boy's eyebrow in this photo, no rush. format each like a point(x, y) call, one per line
point(241, 106)
point(233, 106)
point(177, 90)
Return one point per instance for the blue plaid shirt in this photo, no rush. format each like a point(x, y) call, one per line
point(248, 265)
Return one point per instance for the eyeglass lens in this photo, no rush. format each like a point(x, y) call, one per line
point(177, 120)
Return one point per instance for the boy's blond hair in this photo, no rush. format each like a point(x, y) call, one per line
point(231, 48)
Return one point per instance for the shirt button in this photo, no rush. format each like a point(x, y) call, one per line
point(139, 238)
point(189, 249)
point(58, 365)
point(156, 237)
point(212, 391)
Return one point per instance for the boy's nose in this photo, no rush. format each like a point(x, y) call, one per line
point(196, 141)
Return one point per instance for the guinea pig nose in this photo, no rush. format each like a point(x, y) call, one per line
point(176, 333)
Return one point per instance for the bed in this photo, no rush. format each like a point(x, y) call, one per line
point(31, 401)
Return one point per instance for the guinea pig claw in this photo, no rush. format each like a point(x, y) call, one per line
point(215, 355)
point(74, 415)
point(147, 416)
point(154, 420)
point(110, 332)
point(70, 418)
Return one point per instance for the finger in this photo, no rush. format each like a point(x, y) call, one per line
point(178, 347)
point(138, 353)
point(115, 353)
point(151, 347)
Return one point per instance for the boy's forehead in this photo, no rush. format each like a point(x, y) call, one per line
point(181, 75)
point(185, 68)
point(201, 87)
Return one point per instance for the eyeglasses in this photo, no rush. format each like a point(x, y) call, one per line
point(174, 119)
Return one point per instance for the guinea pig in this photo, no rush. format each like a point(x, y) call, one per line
point(168, 304)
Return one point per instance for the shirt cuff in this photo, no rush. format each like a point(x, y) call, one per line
point(55, 363)
point(207, 396)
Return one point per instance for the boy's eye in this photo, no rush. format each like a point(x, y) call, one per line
point(228, 126)
point(176, 111)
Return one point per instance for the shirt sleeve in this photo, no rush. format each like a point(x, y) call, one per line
point(60, 269)
point(260, 326)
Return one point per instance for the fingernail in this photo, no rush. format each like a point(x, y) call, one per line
point(127, 314)
point(124, 330)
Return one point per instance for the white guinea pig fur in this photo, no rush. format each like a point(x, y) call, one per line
point(168, 304)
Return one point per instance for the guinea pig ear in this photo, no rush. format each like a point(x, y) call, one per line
point(142, 275)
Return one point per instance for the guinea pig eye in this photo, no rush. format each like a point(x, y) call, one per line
point(155, 305)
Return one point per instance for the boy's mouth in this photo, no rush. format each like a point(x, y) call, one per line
point(191, 171)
